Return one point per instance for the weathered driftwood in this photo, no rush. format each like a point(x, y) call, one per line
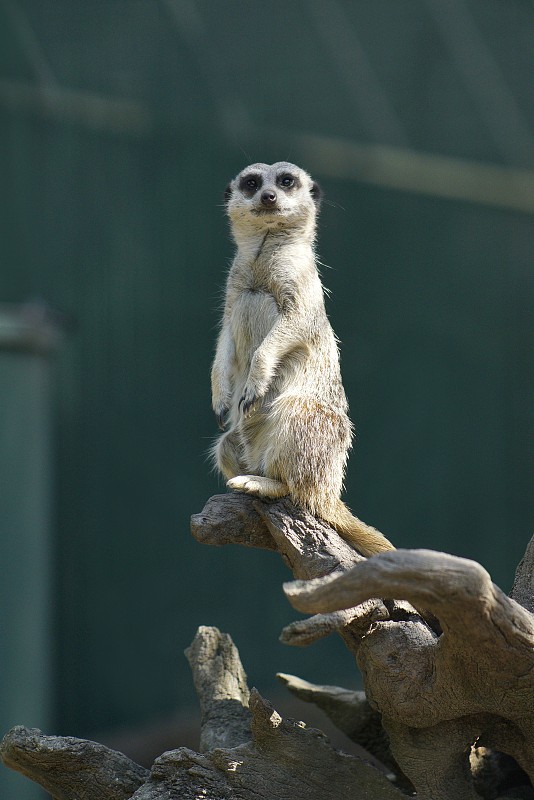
point(71, 768)
point(438, 687)
point(222, 690)
point(309, 547)
point(351, 712)
point(475, 681)
point(253, 753)
point(437, 692)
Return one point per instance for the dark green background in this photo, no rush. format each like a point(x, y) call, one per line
point(117, 222)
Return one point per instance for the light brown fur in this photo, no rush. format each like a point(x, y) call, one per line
point(276, 382)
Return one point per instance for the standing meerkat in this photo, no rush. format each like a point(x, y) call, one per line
point(276, 381)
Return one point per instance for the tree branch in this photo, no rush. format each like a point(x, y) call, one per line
point(71, 768)
point(221, 686)
point(476, 680)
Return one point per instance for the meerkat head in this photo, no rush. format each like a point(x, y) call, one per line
point(275, 197)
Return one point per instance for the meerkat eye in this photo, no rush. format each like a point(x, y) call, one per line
point(287, 181)
point(249, 184)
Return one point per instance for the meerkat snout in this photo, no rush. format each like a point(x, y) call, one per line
point(268, 198)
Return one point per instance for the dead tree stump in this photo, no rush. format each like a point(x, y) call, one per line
point(448, 668)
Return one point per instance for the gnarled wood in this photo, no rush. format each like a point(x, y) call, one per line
point(254, 752)
point(71, 768)
point(350, 711)
point(222, 690)
point(284, 760)
point(438, 686)
point(308, 546)
point(437, 691)
point(438, 694)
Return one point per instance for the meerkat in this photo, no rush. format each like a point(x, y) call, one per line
point(276, 380)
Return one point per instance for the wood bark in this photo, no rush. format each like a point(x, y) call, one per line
point(437, 687)
point(253, 752)
point(449, 687)
point(71, 768)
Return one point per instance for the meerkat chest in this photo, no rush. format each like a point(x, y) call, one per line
point(254, 313)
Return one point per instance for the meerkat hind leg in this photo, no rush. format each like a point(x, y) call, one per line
point(258, 485)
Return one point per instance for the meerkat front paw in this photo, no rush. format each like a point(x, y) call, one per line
point(257, 385)
point(221, 396)
point(221, 412)
point(249, 401)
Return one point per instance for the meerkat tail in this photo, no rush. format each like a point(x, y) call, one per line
point(364, 538)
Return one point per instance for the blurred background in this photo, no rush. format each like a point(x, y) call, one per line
point(121, 123)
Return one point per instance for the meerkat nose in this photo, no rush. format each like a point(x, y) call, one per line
point(268, 198)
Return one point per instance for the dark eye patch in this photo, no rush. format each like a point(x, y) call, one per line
point(288, 181)
point(249, 184)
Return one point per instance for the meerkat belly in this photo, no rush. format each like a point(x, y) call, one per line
point(312, 370)
point(253, 315)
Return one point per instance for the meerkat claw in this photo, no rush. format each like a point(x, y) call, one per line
point(247, 405)
point(221, 419)
point(221, 412)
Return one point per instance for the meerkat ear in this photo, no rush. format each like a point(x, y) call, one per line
point(316, 193)
point(228, 193)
